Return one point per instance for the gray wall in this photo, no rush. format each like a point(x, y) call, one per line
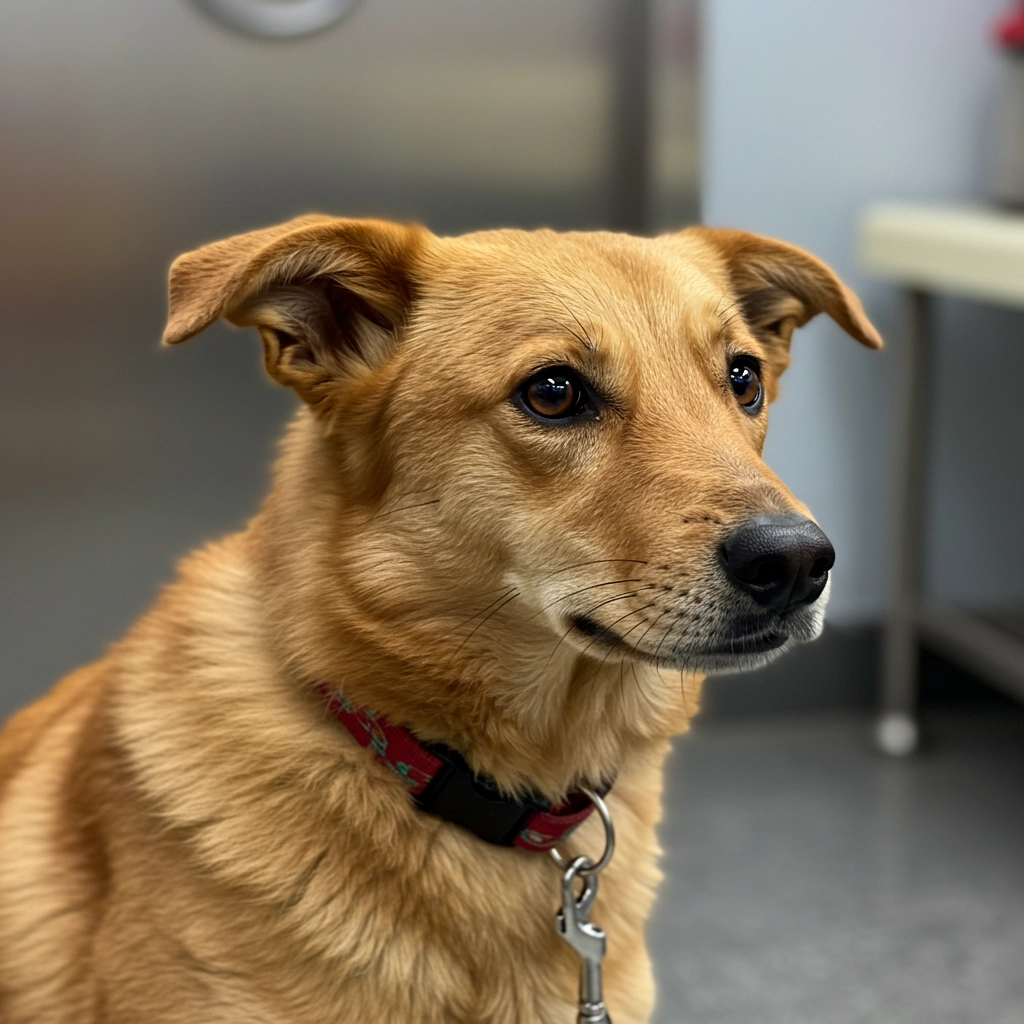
point(812, 109)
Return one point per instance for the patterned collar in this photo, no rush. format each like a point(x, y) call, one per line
point(440, 782)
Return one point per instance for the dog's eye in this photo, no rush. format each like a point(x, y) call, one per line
point(557, 393)
point(745, 379)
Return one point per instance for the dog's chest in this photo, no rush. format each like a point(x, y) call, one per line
point(509, 967)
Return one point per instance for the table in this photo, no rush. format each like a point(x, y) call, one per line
point(970, 252)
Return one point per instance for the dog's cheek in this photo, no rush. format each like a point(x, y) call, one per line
point(549, 453)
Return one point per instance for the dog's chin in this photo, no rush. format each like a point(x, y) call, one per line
point(733, 650)
point(739, 654)
point(735, 645)
point(742, 647)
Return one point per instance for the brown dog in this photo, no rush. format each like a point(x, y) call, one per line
point(522, 507)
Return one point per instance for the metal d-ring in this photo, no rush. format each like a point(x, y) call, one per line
point(594, 868)
point(277, 19)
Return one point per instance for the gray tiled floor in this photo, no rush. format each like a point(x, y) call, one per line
point(811, 882)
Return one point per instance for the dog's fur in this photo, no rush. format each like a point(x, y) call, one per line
point(186, 836)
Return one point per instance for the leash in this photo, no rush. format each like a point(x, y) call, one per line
point(441, 783)
point(574, 924)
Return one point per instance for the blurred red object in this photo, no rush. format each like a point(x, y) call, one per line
point(1009, 29)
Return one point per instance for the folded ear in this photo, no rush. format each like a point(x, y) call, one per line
point(780, 287)
point(329, 296)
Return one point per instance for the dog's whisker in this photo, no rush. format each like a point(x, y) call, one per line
point(583, 565)
point(654, 622)
point(643, 691)
point(584, 339)
point(615, 622)
point(724, 312)
point(593, 586)
point(611, 600)
point(664, 637)
point(682, 693)
point(601, 604)
point(640, 686)
point(473, 632)
point(621, 640)
point(554, 650)
point(569, 330)
point(587, 340)
point(465, 622)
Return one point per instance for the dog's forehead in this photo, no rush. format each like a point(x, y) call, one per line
point(626, 288)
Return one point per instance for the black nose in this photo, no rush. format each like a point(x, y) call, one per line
point(780, 561)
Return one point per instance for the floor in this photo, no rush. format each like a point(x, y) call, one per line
point(810, 881)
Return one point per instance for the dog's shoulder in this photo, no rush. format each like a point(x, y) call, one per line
point(49, 885)
point(24, 736)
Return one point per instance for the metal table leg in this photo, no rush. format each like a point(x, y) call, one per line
point(897, 729)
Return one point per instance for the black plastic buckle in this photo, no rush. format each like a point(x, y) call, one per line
point(458, 795)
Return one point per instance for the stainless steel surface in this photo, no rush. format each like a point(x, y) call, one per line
point(133, 132)
point(594, 867)
point(899, 654)
point(630, 151)
point(586, 939)
point(277, 19)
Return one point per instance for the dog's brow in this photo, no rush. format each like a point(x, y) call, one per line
point(586, 341)
point(726, 316)
point(579, 332)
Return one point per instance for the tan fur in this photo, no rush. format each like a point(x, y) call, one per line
point(186, 836)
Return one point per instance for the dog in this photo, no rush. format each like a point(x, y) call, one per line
point(520, 512)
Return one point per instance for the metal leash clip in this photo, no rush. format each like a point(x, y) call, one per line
point(574, 920)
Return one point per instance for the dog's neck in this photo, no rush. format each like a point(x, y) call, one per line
point(480, 673)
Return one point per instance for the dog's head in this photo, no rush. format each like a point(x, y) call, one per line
point(530, 449)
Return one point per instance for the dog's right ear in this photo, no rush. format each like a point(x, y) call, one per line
point(330, 297)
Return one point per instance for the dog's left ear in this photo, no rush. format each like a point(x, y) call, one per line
point(780, 287)
point(330, 297)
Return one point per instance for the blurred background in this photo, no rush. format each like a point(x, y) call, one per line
point(810, 878)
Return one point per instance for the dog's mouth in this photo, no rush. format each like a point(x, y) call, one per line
point(598, 634)
point(739, 647)
point(748, 643)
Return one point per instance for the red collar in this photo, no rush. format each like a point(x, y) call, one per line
point(441, 783)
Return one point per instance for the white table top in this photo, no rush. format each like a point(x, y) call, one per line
point(975, 252)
